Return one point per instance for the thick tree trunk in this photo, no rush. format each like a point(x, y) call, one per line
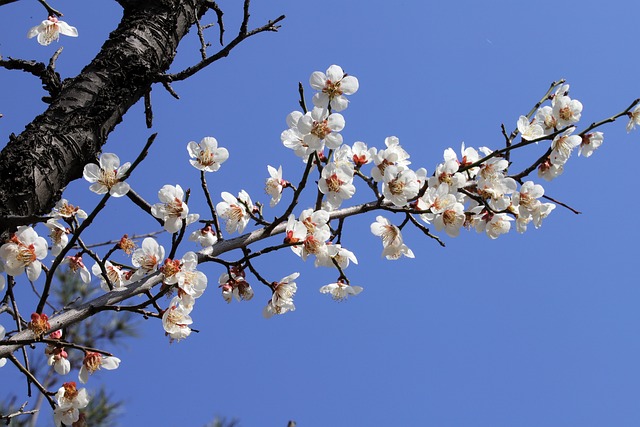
point(36, 165)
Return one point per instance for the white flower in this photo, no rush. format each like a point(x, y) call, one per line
point(274, 185)
point(108, 176)
point(361, 155)
point(57, 357)
point(529, 131)
point(189, 280)
point(634, 118)
point(93, 362)
point(336, 253)
point(237, 212)
point(590, 142)
point(567, 111)
point(294, 139)
point(63, 209)
point(172, 210)
point(50, 30)
point(77, 267)
point(400, 185)
point(321, 128)
point(451, 219)
point(549, 171)
point(282, 299)
point(392, 242)
point(148, 257)
point(340, 290)
point(337, 184)
point(499, 224)
point(207, 156)
point(70, 401)
point(23, 252)
point(176, 320)
point(546, 119)
point(114, 274)
point(562, 146)
point(58, 235)
point(332, 86)
point(235, 286)
point(394, 154)
point(205, 237)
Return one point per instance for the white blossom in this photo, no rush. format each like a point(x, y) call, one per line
point(237, 212)
point(23, 252)
point(590, 142)
point(107, 177)
point(207, 156)
point(340, 291)
point(172, 209)
point(94, 361)
point(49, 30)
point(70, 400)
point(333, 85)
point(392, 243)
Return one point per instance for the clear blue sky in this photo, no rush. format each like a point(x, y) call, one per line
point(540, 329)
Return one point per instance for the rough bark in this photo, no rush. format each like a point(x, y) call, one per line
point(36, 165)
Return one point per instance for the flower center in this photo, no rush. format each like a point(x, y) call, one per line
point(396, 186)
point(108, 178)
point(321, 129)
point(334, 183)
point(205, 157)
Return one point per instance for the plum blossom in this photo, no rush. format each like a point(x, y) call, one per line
point(172, 209)
point(340, 290)
point(237, 212)
point(529, 131)
point(634, 118)
point(451, 219)
point(567, 111)
point(392, 242)
point(77, 267)
point(94, 361)
point(336, 183)
point(207, 156)
point(546, 119)
point(70, 400)
point(321, 128)
point(562, 146)
point(335, 254)
point(50, 29)
point(282, 299)
point(176, 319)
point(294, 139)
point(590, 142)
point(107, 177)
point(235, 285)
point(58, 234)
point(394, 154)
point(39, 324)
point(275, 184)
point(333, 85)
point(57, 357)
point(23, 252)
point(147, 258)
point(114, 274)
point(360, 154)
point(205, 237)
point(400, 185)
point(549, 171)
point(63, 209)
point(184, 274)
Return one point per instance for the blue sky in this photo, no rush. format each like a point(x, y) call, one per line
point(527, 330)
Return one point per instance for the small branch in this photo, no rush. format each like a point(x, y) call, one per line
point(203, 43)
point(148, 112)
point(51, 11)
point(610, 119)
point(169, 89)
point(561, 204)
point(32, 379)
point(205, 189)
point(224, 52)
point(302, 103)
point(425, 230)
point(214, 6)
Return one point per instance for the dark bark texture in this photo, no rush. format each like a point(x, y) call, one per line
point(36, 165)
